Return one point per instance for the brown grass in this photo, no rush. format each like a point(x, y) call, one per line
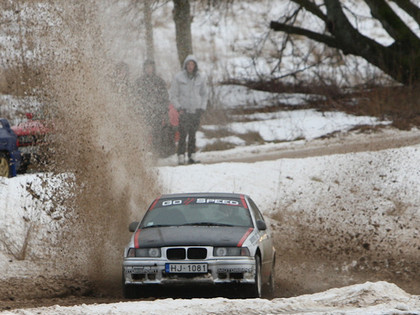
point(218, 146)
point(400, 104)
point(251, 138)
point(215, 116)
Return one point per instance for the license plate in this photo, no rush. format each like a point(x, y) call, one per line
point(186, 268)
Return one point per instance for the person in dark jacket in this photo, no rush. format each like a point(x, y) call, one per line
point(188, 94)
point(154, 105)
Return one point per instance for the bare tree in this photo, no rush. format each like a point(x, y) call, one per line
point(182, 19)
point(400, 60)
point(147, 6)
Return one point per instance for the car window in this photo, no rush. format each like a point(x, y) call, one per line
point(258, 215)
point(195, 213)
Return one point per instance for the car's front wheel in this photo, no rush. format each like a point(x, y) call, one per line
point(130, 291)
point(269, 288)
point(4, 165)
point(254, 290)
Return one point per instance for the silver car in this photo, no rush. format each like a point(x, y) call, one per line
point(200, 238)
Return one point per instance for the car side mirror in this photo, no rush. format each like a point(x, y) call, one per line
point(261, 225)
point(133, 225)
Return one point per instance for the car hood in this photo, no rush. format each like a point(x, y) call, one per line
point(191, 236)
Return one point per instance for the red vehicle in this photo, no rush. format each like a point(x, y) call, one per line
point(31, 136)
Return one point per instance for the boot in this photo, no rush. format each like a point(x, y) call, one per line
point(181, 159)
point(192, 159)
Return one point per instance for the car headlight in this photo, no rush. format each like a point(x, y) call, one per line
point(144, 252)
point(231, 251)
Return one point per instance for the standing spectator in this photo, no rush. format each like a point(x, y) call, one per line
point(154, 105)
point(189, 96)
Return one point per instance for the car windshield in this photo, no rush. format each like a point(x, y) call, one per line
point(198, 212)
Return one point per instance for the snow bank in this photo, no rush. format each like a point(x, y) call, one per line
point(368, 298)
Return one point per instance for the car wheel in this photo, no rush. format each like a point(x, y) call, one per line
point(254, 290)
point(270, 286)
point(130, 291)
point(26, 160)
point(4, 165)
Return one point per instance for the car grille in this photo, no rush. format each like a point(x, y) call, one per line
point(197, 253)
point(175, 253)
point(184, 253)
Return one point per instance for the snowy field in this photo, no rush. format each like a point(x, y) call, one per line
point(368, 298)
point(314, 182)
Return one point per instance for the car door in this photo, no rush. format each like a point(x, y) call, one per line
point(265, 240)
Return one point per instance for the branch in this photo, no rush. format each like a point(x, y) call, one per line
point(338, 24)
point(392, 23)
point(312, 7)
point(281, 27)
point(348, 38)
point(410, 8)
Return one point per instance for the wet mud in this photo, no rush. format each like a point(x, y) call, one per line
point(99, 140)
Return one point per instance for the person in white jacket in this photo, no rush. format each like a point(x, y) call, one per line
point(188, 94)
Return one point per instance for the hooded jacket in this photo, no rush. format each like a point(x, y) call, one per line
point(189, 92)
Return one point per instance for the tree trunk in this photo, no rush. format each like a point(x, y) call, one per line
point(150, 54)
point(182, 19)
point(400, 60)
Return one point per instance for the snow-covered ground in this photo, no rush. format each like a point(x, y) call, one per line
point(367, 298)
point(367, 180)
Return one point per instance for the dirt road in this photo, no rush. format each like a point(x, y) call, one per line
point(346, 143)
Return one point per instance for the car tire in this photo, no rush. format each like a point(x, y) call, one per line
point(26, 160)
point(255, 290)
point(130, 291)
point(4, 165)
point(269, 288)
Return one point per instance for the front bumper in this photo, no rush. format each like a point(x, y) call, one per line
point(219, 271)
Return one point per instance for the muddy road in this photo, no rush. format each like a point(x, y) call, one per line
point(346, 143)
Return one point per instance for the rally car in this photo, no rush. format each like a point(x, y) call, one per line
point(215, 239)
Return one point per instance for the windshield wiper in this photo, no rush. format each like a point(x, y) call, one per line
point(187, 224)
point(208, 224)
point(157, 225)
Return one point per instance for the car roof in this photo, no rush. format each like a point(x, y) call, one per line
point(205, 195)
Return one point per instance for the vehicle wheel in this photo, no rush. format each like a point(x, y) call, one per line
point(254, 290)
point(130, 291)
point(269, 288)
point(4, 165)
point(26, 160)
